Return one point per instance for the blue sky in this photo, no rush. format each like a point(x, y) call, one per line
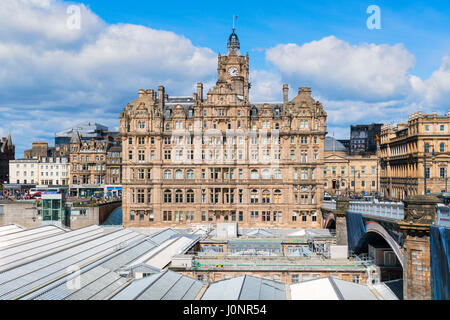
point(52, 77)
point(422, 26)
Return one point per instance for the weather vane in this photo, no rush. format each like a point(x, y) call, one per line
point(234, 20)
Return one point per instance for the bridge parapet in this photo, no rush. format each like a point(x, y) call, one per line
point(330, 205)
point(390, 210)
point(443, 215)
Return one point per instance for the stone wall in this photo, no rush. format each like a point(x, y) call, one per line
point(22, 213)
point(89, 216)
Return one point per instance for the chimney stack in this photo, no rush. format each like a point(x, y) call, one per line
point(161, 96)
point(200, 91)
point(285, 94)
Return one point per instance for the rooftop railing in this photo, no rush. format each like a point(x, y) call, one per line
point(390, 210)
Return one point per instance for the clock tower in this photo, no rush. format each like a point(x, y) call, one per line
point(233, 69)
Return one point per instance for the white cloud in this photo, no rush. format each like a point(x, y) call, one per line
point(266, 86)
point(365, 72)
point(434, 92)
point(361, 83)
point(53, 77)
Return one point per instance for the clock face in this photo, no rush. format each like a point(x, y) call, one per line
point(233, 72)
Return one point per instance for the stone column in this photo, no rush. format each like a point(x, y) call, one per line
point(342, 205)
point(420, 212)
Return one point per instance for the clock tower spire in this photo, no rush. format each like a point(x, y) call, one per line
point(233, 68)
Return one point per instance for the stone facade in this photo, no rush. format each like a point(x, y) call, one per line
point(350, 174)
point(94, 162)
point(7, 153)
point(53, 171)
point(198, 161)
point(402, 153)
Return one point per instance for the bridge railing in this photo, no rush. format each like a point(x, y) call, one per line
point(443, 215)
point(330, 205)
point(390, 210)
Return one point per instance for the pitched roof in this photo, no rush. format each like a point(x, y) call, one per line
point(166, 285)
point(330, 288)
point(75, 138)
point(246, 288)
point(331, 144)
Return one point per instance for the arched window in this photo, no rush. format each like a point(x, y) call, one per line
point(190, 196)
point(277, 174)
point(442, 147)
point(167, 175)
point(266, 174)
point(254, 196)
point(190, 175)
point(266, 196)
point(277, 196)
point(167, 196)
point(254, 174)
point(277, 126)
point(179, 175)
point(178, 196)
point(167, 127)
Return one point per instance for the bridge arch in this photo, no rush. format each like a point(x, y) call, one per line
point(373, 227)
point(330, 221)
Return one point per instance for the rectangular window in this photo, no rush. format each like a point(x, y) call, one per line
point(304, 217)
point(149, 196)
point(254, 215)
point(294, 278)
point(203, 215)
point(167, 216)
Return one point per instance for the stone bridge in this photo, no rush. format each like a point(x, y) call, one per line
point(404, 226)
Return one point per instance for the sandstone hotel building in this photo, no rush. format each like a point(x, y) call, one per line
point(220, 157)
